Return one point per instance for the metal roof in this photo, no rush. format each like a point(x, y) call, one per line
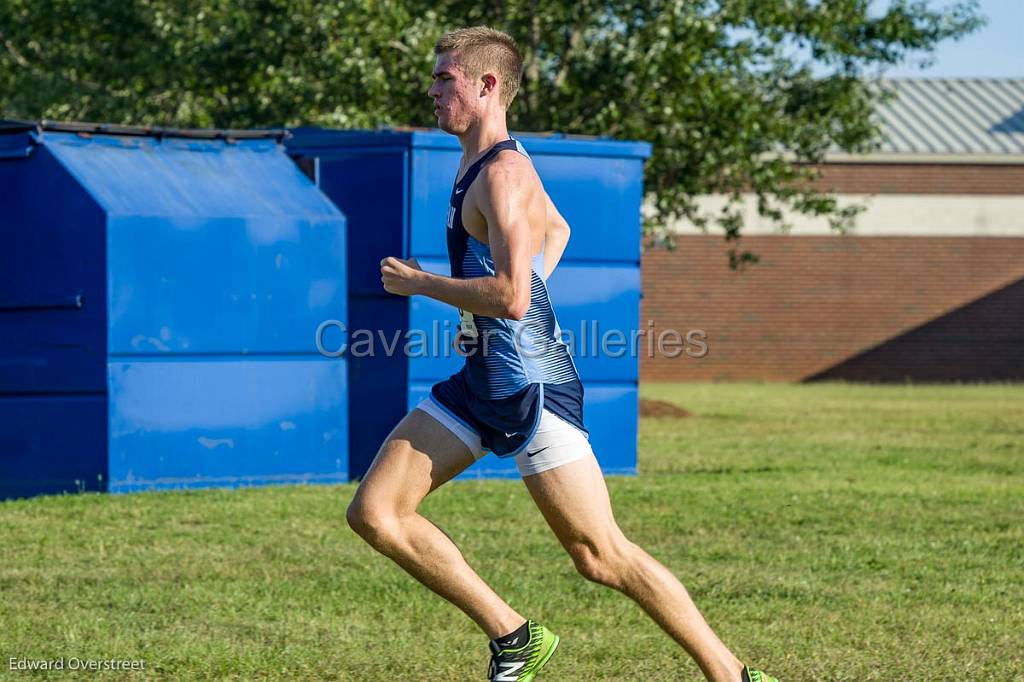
point(953, 116)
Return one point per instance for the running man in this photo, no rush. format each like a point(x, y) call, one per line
point(518, 394)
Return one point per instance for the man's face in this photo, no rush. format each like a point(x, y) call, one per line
point(456, 95)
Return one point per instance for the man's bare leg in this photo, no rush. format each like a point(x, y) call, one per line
point(574, 500)
point(419, 455)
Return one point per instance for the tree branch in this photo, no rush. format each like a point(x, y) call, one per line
point(575, 38)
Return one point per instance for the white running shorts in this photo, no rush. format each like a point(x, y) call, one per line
point(556, 441)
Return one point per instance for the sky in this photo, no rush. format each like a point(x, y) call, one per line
point(995, 51)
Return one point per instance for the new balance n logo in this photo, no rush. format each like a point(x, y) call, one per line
point(508, 671)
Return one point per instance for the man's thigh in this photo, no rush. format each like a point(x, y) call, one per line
point(418, 456)
point(574, 501)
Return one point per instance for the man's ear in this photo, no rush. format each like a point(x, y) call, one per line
point(490, 82)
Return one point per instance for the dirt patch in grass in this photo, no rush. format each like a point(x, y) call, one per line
point(661, 408)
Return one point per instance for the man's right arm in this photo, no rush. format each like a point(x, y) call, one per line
point(556, 237)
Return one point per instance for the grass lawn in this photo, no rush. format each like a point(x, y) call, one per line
point(828, 532)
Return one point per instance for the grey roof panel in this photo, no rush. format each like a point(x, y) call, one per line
point(953, 116)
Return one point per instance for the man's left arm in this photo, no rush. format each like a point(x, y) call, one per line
point(503, 194)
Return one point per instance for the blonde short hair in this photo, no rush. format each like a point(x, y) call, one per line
point(482, 49)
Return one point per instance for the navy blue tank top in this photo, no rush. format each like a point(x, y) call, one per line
point(515, 368)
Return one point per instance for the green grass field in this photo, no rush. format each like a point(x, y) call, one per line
point(828, 532)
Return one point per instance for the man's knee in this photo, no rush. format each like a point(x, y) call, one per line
point(603, 563)
point(371, 515)
point(371, 521)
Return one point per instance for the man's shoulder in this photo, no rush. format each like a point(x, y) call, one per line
point(509, 160)
point(508, 170)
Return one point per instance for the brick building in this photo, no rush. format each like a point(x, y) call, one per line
point(929, 286)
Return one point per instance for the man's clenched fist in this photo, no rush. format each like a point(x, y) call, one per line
point(400, 276)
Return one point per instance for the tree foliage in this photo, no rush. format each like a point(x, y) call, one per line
point(720, 87)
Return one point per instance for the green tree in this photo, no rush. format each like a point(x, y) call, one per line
point(720, 87)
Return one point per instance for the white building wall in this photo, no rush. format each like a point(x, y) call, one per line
point(894, 215)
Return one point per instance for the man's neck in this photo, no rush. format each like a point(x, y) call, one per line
point(482, 137)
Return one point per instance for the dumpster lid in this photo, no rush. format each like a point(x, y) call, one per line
point(314, 140)
point(18, 126)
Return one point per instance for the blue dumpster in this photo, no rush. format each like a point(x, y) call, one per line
point(394, 187)
point(160, 293)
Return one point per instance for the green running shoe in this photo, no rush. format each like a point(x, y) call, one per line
point(750, 675)
point(522, 661)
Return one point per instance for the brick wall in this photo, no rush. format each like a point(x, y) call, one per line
point(880, 308)
point(906, 178)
